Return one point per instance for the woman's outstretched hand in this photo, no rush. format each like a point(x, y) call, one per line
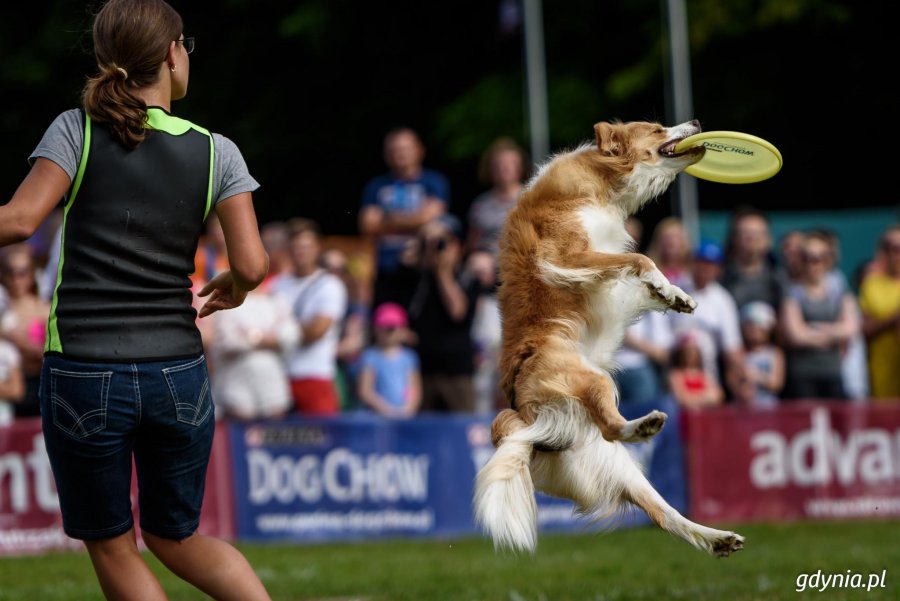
point(223, 294)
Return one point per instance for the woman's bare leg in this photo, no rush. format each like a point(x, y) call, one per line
point(210, 564)
point(122, 572)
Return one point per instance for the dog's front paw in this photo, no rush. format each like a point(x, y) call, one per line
point(672, 296)
point(681, 301)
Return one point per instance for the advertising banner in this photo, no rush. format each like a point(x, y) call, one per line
point(362, 476)
point(799, 460)
point(356, 476)
point(352, 477)
point(29, 508)
point(30, 520)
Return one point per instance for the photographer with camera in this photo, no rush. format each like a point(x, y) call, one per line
point(441, 311)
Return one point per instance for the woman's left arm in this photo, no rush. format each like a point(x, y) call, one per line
point(850, 317)
point(37, 195)
point(847, 324)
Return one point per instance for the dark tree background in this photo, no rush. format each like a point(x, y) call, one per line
point(308, 89)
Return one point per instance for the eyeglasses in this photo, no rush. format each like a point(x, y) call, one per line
point(188, 44)
point(891, 248)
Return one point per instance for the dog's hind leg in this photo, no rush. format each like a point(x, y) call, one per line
point(644, 428)
point(598, 394)
point(506, 422)
point(719, 543)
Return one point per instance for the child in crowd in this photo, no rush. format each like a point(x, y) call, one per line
point(763, 361)
point(691, 386)
point(389, 379)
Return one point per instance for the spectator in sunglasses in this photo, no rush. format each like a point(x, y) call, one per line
point(819, 320)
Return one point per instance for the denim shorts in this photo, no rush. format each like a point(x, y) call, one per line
point(97, 417)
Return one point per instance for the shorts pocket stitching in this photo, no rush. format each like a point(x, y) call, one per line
point(177, 368)
point(188, 412)
point(77, 429)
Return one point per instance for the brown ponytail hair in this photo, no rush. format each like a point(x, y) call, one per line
point(131, 40)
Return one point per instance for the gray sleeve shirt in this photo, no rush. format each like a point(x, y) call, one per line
point(63, 141)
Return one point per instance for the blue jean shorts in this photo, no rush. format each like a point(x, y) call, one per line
point(97, 417)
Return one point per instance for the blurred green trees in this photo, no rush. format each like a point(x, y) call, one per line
point(307, 89)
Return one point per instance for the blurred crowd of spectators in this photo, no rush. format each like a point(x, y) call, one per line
point(772, 324)
point(420, 329)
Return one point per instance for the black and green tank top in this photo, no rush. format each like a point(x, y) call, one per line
point(131, 226)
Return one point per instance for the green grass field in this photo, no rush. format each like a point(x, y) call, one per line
point(642, 563)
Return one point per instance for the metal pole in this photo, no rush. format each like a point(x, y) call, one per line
point(683, 107)
point(536, 77)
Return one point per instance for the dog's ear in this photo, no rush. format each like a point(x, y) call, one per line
point(610, 142)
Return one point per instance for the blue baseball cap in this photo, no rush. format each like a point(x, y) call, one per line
point(709, 251)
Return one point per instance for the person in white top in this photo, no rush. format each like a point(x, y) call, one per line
point(249, 346)
point(319, 303)
point(12, 382)
point(715, 322)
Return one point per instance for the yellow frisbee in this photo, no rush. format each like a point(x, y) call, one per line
point(732, 157)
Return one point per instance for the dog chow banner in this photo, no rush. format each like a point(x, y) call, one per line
point(800, 460)
point(362, 476)
point(30, 520)
point(352, 477)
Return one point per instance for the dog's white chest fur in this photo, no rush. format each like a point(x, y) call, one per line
point(605, 228)
point(615, 304)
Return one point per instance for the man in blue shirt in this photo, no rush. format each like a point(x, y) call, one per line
point(396, 205)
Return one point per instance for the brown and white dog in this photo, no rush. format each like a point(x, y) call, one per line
point(570, 286)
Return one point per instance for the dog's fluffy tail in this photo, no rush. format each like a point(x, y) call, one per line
point(504, 495)
point(504, 501)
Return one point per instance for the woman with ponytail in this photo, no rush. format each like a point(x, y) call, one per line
point(124, 378)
